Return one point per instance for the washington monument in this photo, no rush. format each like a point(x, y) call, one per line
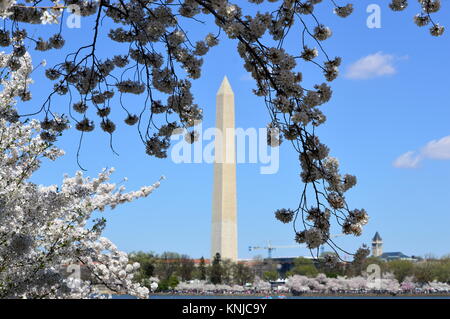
point(224, 225)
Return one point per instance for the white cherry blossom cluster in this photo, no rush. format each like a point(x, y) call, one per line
point(202, 286)
point(5, 7)
point(323, 285)
point(16, 85)
point(43, 228)
point(361, 284)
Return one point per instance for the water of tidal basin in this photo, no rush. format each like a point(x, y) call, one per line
point(275, 297)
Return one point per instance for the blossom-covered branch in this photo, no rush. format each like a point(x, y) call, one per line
point(43, 228)
point(159, 59)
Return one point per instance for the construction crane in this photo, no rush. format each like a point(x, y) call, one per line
point(270, 248)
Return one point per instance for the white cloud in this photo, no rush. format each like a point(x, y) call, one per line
point(436, 149)
point(371, 66)
point(408, 160)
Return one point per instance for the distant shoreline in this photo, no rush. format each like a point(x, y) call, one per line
point(287, 296)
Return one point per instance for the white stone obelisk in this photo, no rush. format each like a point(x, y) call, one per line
point(224, 210)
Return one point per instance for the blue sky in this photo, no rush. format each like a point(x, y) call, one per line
point(373, 118)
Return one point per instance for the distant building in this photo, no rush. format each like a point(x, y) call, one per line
point(377, 251)
point(197, 262)
point(282, 264)
point(377, 245)
point(394, 255)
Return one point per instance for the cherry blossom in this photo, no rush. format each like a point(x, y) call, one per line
point(45, 228)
